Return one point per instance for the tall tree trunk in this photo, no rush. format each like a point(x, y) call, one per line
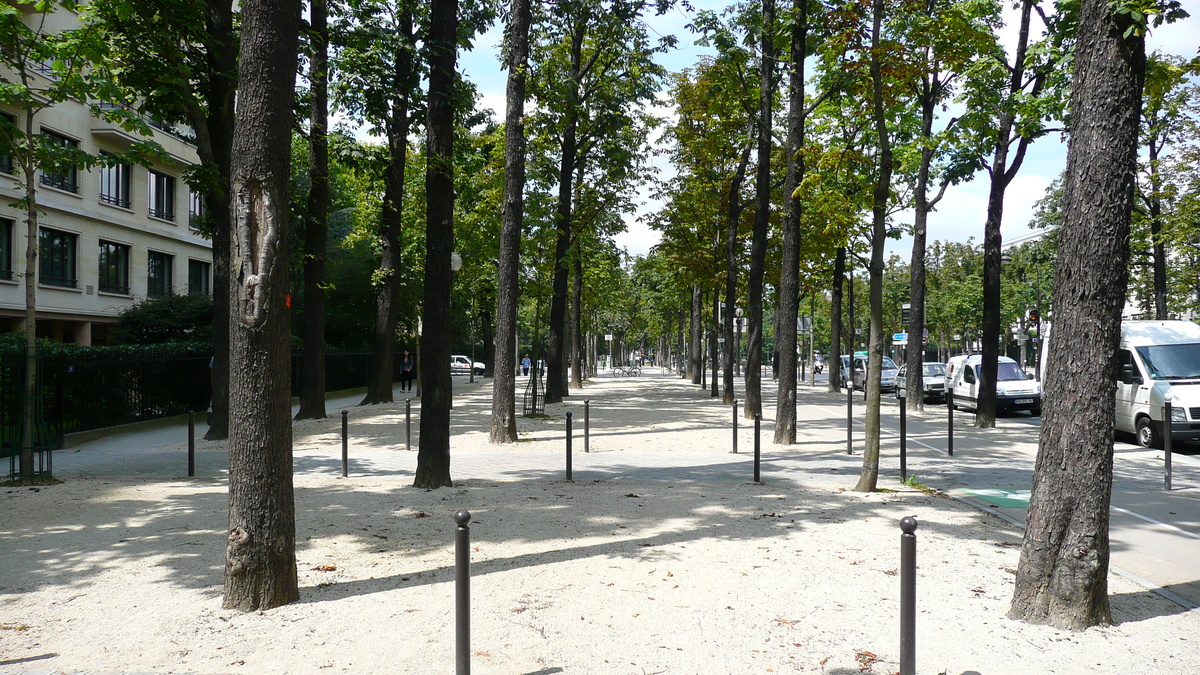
point(433, 457)
point(214, 125)
point(733, 216)
point(1154, 207)
point(488, 335)
point(1063, 572)
point(762, 214)
point(834, 365)
point(712, 340)
point(260, 562)
point(789, 273)
point(29, 408)
point(869, 478)
point(556, 356)
point(577, 323)
point(1001, 174)
point(312, 385)
point(379, 381)
point(504, 396)
point(696, 345)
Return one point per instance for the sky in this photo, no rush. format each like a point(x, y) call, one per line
point(961, 213)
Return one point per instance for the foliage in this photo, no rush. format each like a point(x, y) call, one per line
point(172, 318)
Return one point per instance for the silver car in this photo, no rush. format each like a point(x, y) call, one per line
point(887, 377)
point(933, 380)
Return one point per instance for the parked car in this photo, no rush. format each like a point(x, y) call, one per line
point(887, 377)
point(461, 365)
point(1014, 390)
point(933, 381)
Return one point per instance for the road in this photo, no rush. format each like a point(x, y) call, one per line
point(1154, 534)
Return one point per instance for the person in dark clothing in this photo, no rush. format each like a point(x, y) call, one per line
point(408, 371)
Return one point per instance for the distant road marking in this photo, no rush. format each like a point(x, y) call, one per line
point(882, 431)
point(1156, 522)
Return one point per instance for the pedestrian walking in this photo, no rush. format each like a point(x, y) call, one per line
point(525, 363)
point(408, 371)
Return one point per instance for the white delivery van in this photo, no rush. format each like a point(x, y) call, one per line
point(1014, 389)
point(1158, 361)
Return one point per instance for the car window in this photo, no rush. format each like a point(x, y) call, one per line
point(934, 370)
point(968, 375)
point(889, 363)
point(1009, 372)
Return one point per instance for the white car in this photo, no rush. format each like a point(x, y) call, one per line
point(461, 365)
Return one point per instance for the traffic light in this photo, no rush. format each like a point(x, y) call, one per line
point(1034, 316)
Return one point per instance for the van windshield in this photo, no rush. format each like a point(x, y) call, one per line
point(1008, 372)
point(934, 370)
point(1171, 362)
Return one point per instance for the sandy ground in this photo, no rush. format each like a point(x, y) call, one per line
point(686, 569)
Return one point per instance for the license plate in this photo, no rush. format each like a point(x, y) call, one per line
point(1023, 401)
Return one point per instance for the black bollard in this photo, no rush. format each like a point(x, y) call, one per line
point(462, 592)
point(757, 425)
point(408, 424)
point(345, 447)
point(568, 445)
point(1167, 429)
point(950, 424)
point(903, 439)
point(191, 443)
point(908, 596)
point(587, 423)
point(735, 402)
point(849, 419)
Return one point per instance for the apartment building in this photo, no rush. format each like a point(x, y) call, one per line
point(108, 237)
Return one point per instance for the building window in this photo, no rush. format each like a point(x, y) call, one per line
point(65, 177)
point(158, 274)
point(199, 273)
point(56, 253)
point(6, 244)
point(162, 196)
point(114, 268)
point(195, 209)
point(114, 183)
point(8, 136)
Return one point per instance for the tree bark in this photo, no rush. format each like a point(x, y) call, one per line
point(789, 273)
point(869, 477)
point(1063, 572)
point(834, 364)
point(762, 215)
point(733, 214)
point(433, 457)
point(577, 323)
point(504, 396)
point(312, 385)
point(260, 562)
point(696, 344)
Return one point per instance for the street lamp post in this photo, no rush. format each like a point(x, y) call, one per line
point(455, 266)
point(737, 358)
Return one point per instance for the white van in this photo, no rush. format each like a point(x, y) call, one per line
point(1158, 361)
point(1014, 390)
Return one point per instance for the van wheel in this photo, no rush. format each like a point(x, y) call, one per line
point(1147, 435)
point(1036, 412)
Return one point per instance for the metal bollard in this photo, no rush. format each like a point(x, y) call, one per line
point(908, 596)
point(735, 402)
point(191, 443)
point(345, 446)
point(757, 426)
point(587, 423)
point(408, 424)
point(950, 424)
point(1167, 429)
point(462, 592)
point(903, 439)
point(568, 445)
point(849, 419)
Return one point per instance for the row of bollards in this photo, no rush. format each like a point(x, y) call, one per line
point(462, 593)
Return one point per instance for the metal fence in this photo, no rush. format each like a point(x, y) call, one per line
point(85, 391)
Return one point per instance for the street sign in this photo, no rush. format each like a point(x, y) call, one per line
point(899, 343)
point(900, 336)
point(608, 337)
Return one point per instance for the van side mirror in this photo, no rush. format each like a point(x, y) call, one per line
point(1129, 374)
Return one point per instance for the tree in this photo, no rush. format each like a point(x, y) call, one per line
point(65, 59)
point(181, 62)
point(260, 562)
point(377, 77)
point(312, 387)
point(1062, 578)
point(504, 413)
point(433, 456)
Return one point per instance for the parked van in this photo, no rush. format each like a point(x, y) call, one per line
point(1014, 390)
point(1158, 361)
